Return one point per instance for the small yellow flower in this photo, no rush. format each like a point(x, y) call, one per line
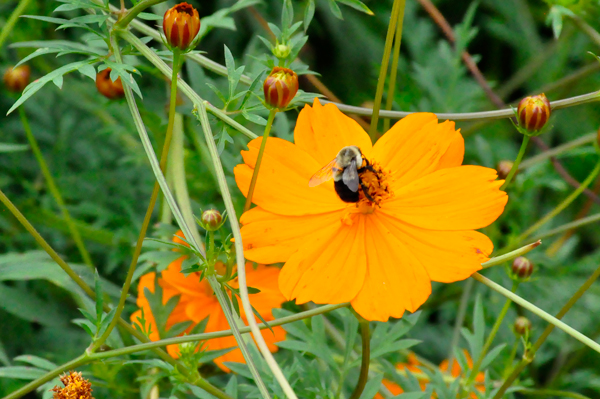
point(76, 387)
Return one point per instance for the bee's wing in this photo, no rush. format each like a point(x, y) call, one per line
point(350, 176)
point(324, 174)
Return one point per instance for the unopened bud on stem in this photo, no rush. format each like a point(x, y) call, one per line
point(522, 325)
point(533, 112)
point(181, 24)
point(16, 79)
point(212, 220)
point(107, 87)
point(280, 87)
point(504, 168)
point(522, 268)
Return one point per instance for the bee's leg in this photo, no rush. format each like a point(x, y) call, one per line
point(365, 190)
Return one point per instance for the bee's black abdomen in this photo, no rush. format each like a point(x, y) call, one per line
point(344, 192)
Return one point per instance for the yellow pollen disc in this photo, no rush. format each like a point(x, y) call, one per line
point(377, 185)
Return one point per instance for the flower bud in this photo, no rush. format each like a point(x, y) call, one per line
point(212, 219)
point(522, 325)
point(181, 24)
point(280, 87)
point(107, 87)
point(504, 168)
point(281, 50)
point(534, 112)
point(522, 268)
point(16, 79)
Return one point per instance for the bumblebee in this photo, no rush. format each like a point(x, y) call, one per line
point(345, 170)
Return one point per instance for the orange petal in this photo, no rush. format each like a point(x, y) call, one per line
point(395, 280)
point(454, 154)
point(461, 198)
point(322, 131)
point(269, 238)
point(448, 256)
point(329, 268)
point(266, 279)
point(282, 184)
point(414, 146)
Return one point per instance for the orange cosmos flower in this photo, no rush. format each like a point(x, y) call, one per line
point(413, 365)
point(380, 255)
point(197, 302)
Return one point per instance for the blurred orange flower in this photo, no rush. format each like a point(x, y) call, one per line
point(413, 365)
point(197, 302)
point(380, 255)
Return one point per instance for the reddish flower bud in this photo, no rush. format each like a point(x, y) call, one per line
point(534, 112)
point(181, 24)
point(16, 79)
point(280, 87)
point(108, 88)
point(522, 325)
point(522, 267)
point(504, 168)
point(212, 219)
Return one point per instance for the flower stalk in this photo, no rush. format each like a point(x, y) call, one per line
point(235, 228)
point(591, 177)
point(515, 165)
point(12, 20)
point(261, 152)
point(366, 357)
point(555, 322)
point(134, 12)
point(54, 190)
point(394, 72)
point(397, 15)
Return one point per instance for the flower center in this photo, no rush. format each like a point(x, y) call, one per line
point(373, 191)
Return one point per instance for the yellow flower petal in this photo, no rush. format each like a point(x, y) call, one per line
point(270, 238)
point(414, 147)
point(461, 198)
point(396, 281)
point(448, 256)
point(329, 268)
point(322, 131)
point(282, 185)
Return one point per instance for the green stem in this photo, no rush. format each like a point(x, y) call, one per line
point(460, 319)
point(562, 205)
point(490, 339)
point(515, 166)
point(224, 301)
point(241, 261)
point(54, 190)
point(134, 11)
point(571, 225)
point(12, 20)
point(498, 260)
point(177, 165)
point(551, 392)
point(261, 152)
point(222, 70)
point(366, 358)
point(153, 197)
point(537, 311)
point(586, 139)
point(397, 14)
point(183, 86)
point(40, 240)
point(394, 72)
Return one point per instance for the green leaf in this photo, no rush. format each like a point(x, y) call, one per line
point(24, 304)
point(372, 387)
point(36, 85)
point(99, 298)
point(105, 321)
point(21, 372)
point(89, 71)
point(199, 392)
point(8, 147)
point(309, 13)
point(149, 16)
point(335, 9)
point(36, 361)
point(231, 388)
point(357, 5)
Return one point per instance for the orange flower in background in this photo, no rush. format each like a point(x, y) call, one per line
point(413, 365)
point(197, 302)
point(415, 226)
